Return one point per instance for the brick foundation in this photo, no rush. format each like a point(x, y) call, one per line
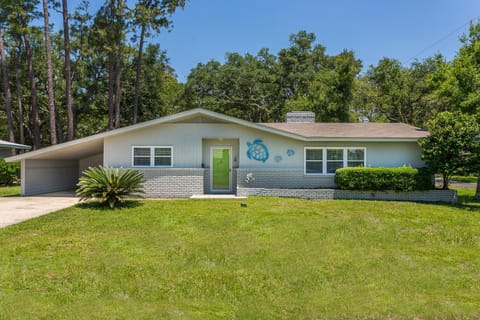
point(423, 196)
point(283, 178)
point(173, 183)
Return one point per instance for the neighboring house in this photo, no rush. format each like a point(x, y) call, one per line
point(6, 147)
point(200, 151)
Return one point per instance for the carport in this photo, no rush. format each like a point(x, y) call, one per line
point(57, 168)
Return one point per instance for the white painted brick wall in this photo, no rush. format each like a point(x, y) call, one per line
point(173, 183)
point(424, 196)
point(283, 178)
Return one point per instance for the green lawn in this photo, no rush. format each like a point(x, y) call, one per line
point(275, 259)
point(9, 191)
point(469, 179)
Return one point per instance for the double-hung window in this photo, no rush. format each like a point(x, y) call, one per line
point(152, 156)
point(334, 160)
point(325, 161)
point(314, 161)
point(355, 157)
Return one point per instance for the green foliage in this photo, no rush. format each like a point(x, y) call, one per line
point(380, 179)
point(9, 173)
point(243, 87)
point(452, 144)
point(110, 185)
point(460, 85)
point(391, 92)
point(264, 87)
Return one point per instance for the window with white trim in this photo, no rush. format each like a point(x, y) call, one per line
point(334, 160)
point(355, 157)
point(325, 161)
point(157, 156)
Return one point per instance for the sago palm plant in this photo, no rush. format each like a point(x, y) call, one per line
point(110, 185)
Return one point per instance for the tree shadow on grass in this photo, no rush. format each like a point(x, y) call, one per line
point(97, 205)
point(466, 201)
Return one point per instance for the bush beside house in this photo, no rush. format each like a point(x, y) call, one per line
point(380, 179)
point(9, 173)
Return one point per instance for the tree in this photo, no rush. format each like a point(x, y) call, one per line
point(18, 87)
point(50, 91)
point(244, 86)
point(266, 86)
point(391, 92)
point(459, 88)
point(68, 76)
point(150, 15)
point(451, 145)
point(7, 92)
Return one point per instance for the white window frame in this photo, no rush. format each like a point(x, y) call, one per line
point(364, 155)
point(324, 159)
point(305, 161)
point(152, 156)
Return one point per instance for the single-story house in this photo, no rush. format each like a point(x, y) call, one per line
point(200, 152)
point(6, 147)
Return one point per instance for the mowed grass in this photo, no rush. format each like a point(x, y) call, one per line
point(274, 259)
point(9, 191)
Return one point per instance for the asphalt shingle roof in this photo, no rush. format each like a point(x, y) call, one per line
point(351, 130)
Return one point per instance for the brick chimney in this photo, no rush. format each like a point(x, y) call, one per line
point(300, 117)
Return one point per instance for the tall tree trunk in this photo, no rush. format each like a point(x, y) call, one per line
point(21, 120)
point(118, 60)
point(7, 92)
point(138, 74)
point(68, 80)
point(110, 90)
point(477, 192)
point(51, 97)
point(111, 71)
point(446, 181)
point(117, 88)
point(33, 93)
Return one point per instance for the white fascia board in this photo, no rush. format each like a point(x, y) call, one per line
point(361, 139)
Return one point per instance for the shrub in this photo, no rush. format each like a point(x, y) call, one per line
point(9, 173)
point(110, 185)
point(376, 179)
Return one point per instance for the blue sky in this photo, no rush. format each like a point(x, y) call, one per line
point(207, 29)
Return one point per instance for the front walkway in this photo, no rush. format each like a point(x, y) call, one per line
point(17, 209)
point(216, 196)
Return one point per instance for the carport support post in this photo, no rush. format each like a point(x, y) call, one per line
point(22, 177)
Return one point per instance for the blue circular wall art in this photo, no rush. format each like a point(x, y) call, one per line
point(257, 150)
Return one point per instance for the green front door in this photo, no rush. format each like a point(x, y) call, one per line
point(221, 169)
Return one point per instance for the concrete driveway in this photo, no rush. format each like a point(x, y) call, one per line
point(17, 209)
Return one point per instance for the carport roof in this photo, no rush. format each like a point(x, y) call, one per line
point(10, 145)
